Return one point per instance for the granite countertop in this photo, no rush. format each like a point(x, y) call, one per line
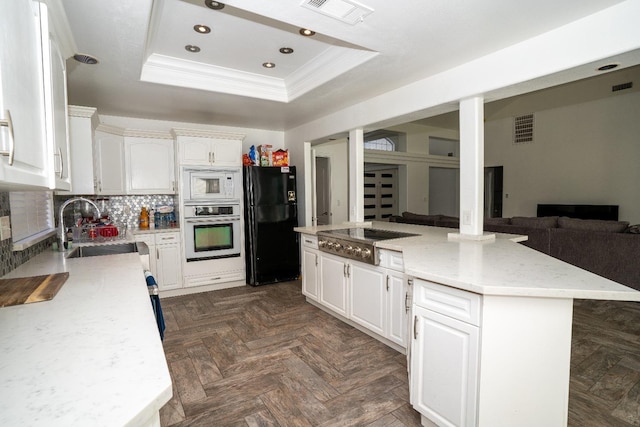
point(499, 267)
point(90, 356)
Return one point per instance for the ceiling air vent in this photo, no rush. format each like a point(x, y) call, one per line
point(347, 11)
point(621, 86)
point(523, 129)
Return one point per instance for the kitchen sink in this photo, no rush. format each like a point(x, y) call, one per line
point(99, 250)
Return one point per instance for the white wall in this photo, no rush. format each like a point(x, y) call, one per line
point(337, 152)
point(587, 153)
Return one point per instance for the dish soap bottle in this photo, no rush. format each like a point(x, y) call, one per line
point(144, 219)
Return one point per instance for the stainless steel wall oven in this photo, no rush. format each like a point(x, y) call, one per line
point(212, 231)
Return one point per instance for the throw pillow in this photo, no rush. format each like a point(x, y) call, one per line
point(593, 225)
point(633, 229)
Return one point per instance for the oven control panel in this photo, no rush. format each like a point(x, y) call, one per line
point(211, 210)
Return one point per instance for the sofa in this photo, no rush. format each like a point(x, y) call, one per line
point(607, 248)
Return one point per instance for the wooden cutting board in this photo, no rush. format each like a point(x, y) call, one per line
point(24, 290)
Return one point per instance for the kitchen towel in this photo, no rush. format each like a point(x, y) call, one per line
point(155, 302)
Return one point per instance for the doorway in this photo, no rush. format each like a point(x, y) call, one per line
point(444, 191)
point(380, 193)
point(323, 191)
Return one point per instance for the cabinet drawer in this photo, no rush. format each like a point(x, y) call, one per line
point(146, 238)
point(391, 259)
point(162, 238)
point(310, 241)
point(448, 301)
point(213, 279)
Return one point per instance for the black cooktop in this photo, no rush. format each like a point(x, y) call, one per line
point(370, 234)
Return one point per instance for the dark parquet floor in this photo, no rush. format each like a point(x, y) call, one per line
point(263, 357)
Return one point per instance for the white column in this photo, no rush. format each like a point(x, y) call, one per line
point(356, 175)
point(309, 186)
point(471, 166)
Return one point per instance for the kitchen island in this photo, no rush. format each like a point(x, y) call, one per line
point(490, 325)
point(90, 356)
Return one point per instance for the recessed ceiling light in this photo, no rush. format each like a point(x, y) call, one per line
point(191, 48)
point(201, 29)
point(306, 32)
point(269, 65)
point(215, 5)
point(286, 50)
point(85, 59)
point(607, 67)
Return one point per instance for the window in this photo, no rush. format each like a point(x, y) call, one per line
point(31, 217)
point(382, 139)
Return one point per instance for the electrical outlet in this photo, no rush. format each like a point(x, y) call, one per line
point(5, 228)
point(466, 217)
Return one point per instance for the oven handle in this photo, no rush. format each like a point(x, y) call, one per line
point(210, 220)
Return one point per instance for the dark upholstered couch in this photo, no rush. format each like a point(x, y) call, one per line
point(610, 249)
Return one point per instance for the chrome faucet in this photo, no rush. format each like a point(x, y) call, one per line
point(62, 233)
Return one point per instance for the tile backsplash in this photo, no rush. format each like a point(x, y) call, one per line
point(125, 209)
point(10, 259)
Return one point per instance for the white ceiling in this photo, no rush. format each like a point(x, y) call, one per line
point(146, 72)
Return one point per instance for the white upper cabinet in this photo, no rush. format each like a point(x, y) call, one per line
point(35, 41)
point(109, 163)
point(199, 147)
point(24, 159)
point(55, 97)
point(82, 124)
point(150, 165)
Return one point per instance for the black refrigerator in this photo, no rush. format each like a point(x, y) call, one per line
point(270, 214)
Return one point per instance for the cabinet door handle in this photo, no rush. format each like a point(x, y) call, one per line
point(406, 302)
point(415, 327)
point(348, 270)
point(387, 283)
point(12, 142)
point(61, 163)
point(344, 270)
point(213, 157)
point(316, 260)
point(157, 254)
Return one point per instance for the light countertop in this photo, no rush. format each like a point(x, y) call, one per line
point(91, 356)
point(499, 267)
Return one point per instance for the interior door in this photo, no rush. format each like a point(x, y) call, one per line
point(323, 191)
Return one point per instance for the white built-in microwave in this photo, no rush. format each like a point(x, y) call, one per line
point(201, 184)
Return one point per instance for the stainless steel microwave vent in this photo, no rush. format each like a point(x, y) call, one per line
point(523, 129)
point(347, 11)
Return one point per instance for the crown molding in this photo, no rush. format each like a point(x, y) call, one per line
point(195, 75)
point(202, 133)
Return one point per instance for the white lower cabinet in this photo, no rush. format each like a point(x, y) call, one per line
point(333, 284)
point(164, 258)
point(368, 302)
point(445, 354)
point(310, 270)
point(373, 296)
point(398, 307)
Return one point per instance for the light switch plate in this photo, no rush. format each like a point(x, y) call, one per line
point(5, 228)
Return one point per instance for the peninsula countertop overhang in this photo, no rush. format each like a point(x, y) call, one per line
point(500, 267)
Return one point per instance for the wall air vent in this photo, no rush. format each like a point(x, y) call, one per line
point(621, 86)
point(347, 11)
point(523, 129)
